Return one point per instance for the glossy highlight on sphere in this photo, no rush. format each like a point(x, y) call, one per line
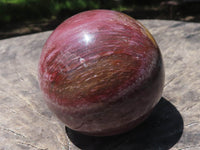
point(101, 72)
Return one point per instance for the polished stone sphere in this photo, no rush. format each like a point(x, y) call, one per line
point(101, 72)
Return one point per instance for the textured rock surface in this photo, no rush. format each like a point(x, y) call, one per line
point(26, 123)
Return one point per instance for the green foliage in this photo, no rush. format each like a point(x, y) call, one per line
point(17, 10)
point(20, 10)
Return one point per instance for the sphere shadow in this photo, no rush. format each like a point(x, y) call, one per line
point(160, 131)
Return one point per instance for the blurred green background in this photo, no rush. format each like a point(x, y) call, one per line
point(20, 10)
point(19, 17)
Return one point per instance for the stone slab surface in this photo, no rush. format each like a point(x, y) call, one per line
point(27, 124)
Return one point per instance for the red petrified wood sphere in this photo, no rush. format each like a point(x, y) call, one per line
point(101, 72)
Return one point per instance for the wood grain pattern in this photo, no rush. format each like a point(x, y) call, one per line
point(26, 123)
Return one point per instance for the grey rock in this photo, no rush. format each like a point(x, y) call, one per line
point(27, 123)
